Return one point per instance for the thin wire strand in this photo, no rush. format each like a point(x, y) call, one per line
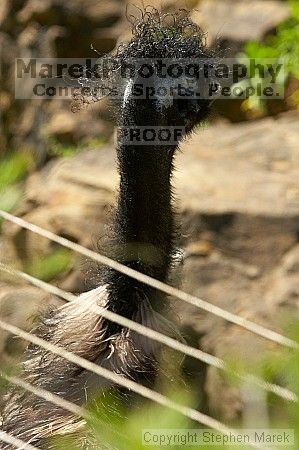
point(169, 290)
point(58, 401)
point(18, 443)
point(159, 337)
point(145, 392)
point(48, 396)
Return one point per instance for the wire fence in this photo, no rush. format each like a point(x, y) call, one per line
point(156, 284)
point(280, 391)
point(18, 443)
point(60, 402)
point(126, 383)
point(137, 327)
point(48, 396)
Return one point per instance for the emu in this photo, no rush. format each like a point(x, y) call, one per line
point(143, 238)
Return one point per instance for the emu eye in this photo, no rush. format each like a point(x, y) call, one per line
point(187, 107)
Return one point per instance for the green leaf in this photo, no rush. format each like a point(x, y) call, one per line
point(295, 9)
point(13, 169)
point(49, 267)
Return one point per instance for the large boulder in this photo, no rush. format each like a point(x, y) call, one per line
point(240, 20)
point(241, 186)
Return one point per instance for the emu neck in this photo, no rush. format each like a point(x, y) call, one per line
point(144, 221)
point(144, 216)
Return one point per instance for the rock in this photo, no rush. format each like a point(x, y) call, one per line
point(250, 168)
point(238, 189)
point(69, 128)
point(47, 10)
point(3, 10)
point(241, 350)
point(34, 10)
point(53, 29)
point(283, 285)
point(20, 306)
point(71, 197)
point(62, 124)
point(100, 13)
point(240, 20)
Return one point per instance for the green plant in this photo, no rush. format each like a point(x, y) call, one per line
point(13, 169)
point(49, 267)
point(58, 149)
point(281, 47)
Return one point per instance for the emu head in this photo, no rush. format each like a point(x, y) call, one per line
point(168, 85)
point(158, 77)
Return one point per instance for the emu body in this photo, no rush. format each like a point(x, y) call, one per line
point(143, 237)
